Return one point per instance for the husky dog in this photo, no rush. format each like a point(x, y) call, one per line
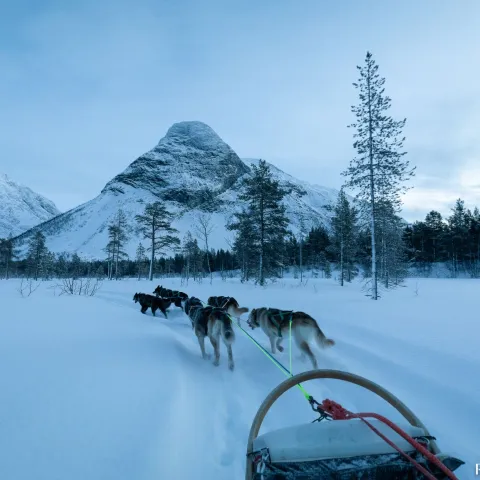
point(276, 323)
point(213, 322)
point(192, 304)
point(149, 301)
point(229, 304)
point(175, 297)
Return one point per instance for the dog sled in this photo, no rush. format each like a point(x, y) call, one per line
point(342, 445)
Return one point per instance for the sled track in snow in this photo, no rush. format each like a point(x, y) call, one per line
point(210, 397)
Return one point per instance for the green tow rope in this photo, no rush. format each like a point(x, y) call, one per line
point(290, 347)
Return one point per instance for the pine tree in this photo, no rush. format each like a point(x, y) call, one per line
point(378, 172)
point(8, 253)
point(473, 265)
point(120, 238)
point(302, 233)
point(117, 237)
point(244, 246)
point(154, 221)
point(76, 266)
point(61, 265)
point(193, 257)
point(344, 238)
point(48, 265)
point(268, 220)
point(458, 231)
point(37, 252)
point(436, 232)
point(100, 272)
point(140, 259)
point(110, 251)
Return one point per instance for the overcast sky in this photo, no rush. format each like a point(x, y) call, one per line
point(88, 86)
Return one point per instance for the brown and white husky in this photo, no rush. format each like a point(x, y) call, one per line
point(229, 304)
point(276, 324)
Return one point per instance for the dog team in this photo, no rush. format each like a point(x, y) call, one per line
point(214, 321)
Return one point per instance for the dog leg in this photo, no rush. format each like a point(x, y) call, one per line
point(279, 341)
point(201, 342)
point(231, 363)
point(272, 344)
point(216, 349)
point(144, 308)
point(164, 312)
point(306, 349)
point(154, 309)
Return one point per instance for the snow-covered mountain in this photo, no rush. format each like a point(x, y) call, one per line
point(192, 170)
point(21, 208)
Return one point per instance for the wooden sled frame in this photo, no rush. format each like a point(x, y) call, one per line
point(291, 382)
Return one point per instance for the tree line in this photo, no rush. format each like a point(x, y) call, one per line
point(453, 241)
point(343, 250)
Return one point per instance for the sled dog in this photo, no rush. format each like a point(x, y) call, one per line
point(276, 323)
point(149, 301)
point(175, 297)
point(229, 304)
point(212, 322)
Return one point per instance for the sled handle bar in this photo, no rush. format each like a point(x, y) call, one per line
point(291, 382)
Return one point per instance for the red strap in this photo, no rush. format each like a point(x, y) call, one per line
point(339, 413)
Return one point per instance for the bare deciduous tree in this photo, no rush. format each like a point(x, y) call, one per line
point(203, 228)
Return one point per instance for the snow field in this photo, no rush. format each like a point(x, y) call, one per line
point(91, 388)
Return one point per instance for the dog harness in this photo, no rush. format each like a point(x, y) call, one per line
point(221, 301)
point(278, 316)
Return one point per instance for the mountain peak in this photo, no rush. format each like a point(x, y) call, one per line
point(196, 134)
point(191, 164)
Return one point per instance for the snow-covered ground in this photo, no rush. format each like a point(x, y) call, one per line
point(92, 389)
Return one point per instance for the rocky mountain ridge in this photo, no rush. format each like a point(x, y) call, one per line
point(21, 208)
point(192, 170)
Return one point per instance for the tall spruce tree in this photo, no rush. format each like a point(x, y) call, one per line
point(118, 235)
point(36, 255)
point(155, 226)
point(267, 219)
point(8, 253)
point(344, 238)
point(458, 229)
point(378, 172)
point(193, 257)
point(140, 259)
point(302, 234)
point(473, 253)
point(244, 246)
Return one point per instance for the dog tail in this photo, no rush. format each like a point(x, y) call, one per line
point(238, 311)
point(228, 334)
point(322, 340)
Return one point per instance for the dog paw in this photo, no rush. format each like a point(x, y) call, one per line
point(231, 366)
point(280, 348)
point(216, 362)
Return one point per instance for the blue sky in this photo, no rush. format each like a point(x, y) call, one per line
point(86, 87)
